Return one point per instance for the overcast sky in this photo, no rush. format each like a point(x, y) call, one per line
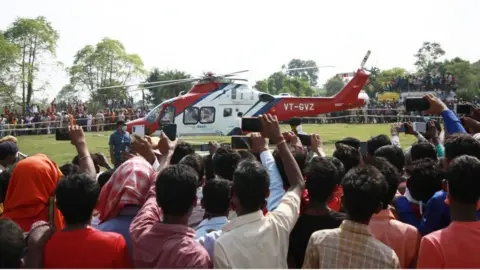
point(226, 36)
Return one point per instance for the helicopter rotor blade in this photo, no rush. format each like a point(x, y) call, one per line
point(364, 61)
point(149, 83)
point(154, 86)
point(232, 73)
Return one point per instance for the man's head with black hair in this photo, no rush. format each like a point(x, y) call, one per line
point(376, 142)
point(208, 162)
point(120, 125)
point(463, 177)
point(349, 156)
point(4, 181)
point(245, 154)
point(181, 150)
point(393, 154)
point(322, 179)
point(392, 177)
point(196, 162)
point(339, 165)
point(364, 189)
point(12, 245)
point(225, 161)
point(250, 187)
point(299, 156)
point(76, 196)
point(460, 144)
point(76, 161)
point(69, 168)
point(350, 141)
point(216, 197)
point(176, 189)
point(423, 150)
point(424, 179)
point(104, 177)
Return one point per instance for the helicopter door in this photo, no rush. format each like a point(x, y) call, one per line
point(167, 116)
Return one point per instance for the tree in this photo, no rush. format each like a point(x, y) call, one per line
point(67, 93)
point(297, 87)
point(333, 85)
point(9, 54)
point(35, 39)
point(160, 93)
point(428, 57)
point(463, 71)
point(311, 75)
point(103, 65)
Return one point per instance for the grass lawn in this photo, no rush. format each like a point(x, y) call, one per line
point(62, 152)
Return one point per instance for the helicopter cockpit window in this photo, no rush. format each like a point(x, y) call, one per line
point(168, 116)
point(207, 115)
point(227, 112)
point(153, 114)
point(190, 116)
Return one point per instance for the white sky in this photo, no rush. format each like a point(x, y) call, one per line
point(226, 36)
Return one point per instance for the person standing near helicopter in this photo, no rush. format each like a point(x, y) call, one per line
point(296, 125)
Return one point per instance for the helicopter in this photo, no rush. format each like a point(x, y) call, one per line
point(215, 103)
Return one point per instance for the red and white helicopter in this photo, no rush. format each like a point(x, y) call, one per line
point(213, 103)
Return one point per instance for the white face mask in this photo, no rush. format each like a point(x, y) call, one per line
point(124, 128)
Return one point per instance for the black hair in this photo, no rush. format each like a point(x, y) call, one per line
point(376, 142)
point(299, 156)
point(463, 176)
point(196, 162)
point(424, 179)
point(251, 185)
point(349, 156)
point(208, 162)
point(225, 161)
point(339, 165)
point(4, 181)
point(423, 150)
point(181, 150)
point(322, 179)
point(176, 189)
point(76, 161)
point(69, 168)
point(364, 189)
point(393, 154)
point(392, 177)
point(295, 121)
point(77, 195)
point(120, 123)
point(216, 196)
point(104, 177)
point(245, 154)
point(12, 245)
point(460, 144)
point(350, 141)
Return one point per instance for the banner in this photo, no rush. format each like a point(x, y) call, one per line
point(388, 96)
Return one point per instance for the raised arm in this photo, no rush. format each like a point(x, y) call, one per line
point(271, 129)
point(77, 138)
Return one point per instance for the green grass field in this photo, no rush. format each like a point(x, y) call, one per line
point(62, 152)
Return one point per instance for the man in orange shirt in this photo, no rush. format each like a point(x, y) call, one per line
point(456, 246)
point(403, 238)
point(78, 245)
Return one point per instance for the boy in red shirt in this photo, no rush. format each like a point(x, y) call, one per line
point(78, 245)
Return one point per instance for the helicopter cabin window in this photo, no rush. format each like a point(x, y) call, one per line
point(190, 116)
point(234, 93)
point(227, 112)
point(207, 115)
point(168, 116)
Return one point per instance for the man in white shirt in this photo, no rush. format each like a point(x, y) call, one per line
point(89, 121)
point(253, 240)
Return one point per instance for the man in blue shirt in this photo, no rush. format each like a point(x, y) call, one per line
point(119, 143)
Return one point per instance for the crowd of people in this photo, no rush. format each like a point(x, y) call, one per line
point(165, 206)
point(429, 82)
